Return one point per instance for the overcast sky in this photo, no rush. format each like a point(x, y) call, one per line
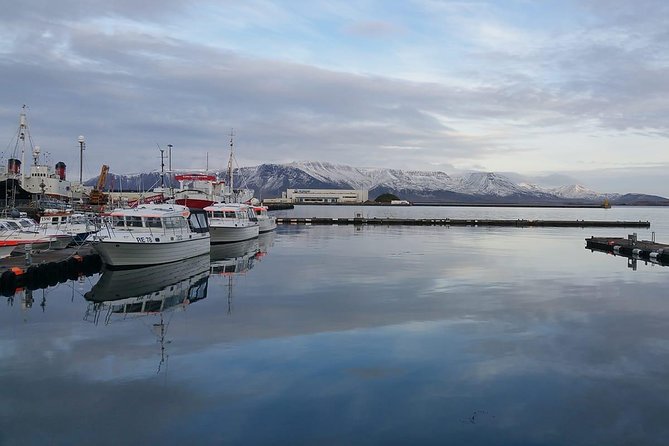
point(578, 88)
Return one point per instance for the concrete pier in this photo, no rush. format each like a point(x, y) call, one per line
point(463, 222)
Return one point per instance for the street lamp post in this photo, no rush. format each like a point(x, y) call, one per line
point(82, 145)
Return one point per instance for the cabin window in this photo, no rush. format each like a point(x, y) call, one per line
point(219, 214)
point(118, 221)
point(133, 222)
point(230, 214)
point(153, 222)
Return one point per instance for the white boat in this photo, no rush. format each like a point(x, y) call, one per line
point(59, 239)
point(78, 225)
point(266, 222)
point(23, 232)
point(231, 222)
point(152, 234)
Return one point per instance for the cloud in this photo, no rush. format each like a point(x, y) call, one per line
point(455, 83)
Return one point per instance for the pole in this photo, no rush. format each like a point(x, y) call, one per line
point(169, 157)
point(171, 177)
point(82, 145)
point(162, 169)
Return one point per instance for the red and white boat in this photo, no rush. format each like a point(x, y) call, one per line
point(198, 190)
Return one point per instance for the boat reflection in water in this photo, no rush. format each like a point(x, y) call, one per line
point(239, 257)
point(149, 290)
point(232, 259)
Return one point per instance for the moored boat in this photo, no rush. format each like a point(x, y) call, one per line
point(266, 222)
point(78, 225)
point(152, 234)
point(232, 222)
point(22, 232)
point(198, 190)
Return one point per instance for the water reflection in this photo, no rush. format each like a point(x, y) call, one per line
point(148, 290)
point(633, 259)
point(231, 259)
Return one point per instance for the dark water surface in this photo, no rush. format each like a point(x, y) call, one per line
point(345, 335)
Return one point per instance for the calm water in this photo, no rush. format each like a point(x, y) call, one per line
point(345, 335)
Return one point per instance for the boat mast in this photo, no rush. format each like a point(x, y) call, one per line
point(23, 130)
point(230, 177)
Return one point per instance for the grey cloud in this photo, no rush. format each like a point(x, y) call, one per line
point(128, 90)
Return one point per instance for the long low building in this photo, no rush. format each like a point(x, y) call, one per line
point(307, 196)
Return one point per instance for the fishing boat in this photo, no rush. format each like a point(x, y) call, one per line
point(232, 222)
point(266, 222)
point(152, 234)
point(41, 181)
point(198, 190)
point(78, 225)
point(25, 232)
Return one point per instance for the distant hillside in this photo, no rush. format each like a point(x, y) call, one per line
point(270, 180)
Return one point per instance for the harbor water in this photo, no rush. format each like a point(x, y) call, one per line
point(353, 335)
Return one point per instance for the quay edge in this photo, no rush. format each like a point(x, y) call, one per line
point(463, 222)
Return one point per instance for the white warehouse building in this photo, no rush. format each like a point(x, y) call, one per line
point(306, 196)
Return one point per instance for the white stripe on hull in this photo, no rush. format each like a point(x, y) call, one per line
point(116, 253)
point(230, 234)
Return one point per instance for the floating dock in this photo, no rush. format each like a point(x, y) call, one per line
point(463, 222)
point(47, 268)
point(630, 247)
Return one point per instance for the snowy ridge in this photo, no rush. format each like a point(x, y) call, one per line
point(271, 180)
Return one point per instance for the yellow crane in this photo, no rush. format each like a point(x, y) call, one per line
point(97, 196)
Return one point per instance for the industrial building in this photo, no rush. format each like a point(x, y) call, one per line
point(323, 196)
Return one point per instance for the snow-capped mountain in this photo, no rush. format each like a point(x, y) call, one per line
point(578, 191)
point(270, 180)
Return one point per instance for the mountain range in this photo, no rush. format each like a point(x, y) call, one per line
point(270, 180)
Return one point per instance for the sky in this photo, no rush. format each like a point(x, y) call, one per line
point(548, 90)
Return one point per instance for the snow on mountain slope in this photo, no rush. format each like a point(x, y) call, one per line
point(271, 180)
point(576, 191)
point(488, 183)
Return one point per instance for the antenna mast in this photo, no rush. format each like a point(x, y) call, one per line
point(230, 178)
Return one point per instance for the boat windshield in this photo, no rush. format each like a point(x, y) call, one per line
point(13, 225)
point(153, 222)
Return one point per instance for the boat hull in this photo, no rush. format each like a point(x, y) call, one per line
point(118, 254)
point(229, 234)
point(267, 224)
point(194, 203)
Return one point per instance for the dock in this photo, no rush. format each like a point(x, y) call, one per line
point(631, 248)
point(463, 222)
point(47, 268)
